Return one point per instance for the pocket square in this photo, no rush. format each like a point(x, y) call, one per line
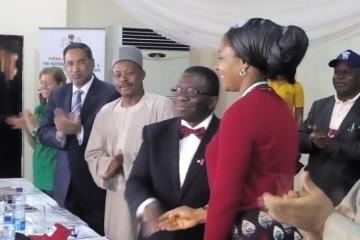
point(353, 127)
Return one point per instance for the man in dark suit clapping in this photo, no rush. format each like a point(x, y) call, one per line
point(67, 123)
point(331, 132)
point(169, 170)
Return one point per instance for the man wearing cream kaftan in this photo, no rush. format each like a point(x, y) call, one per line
point(120, 129)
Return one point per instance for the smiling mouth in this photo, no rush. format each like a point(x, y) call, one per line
point(339, 84)
point(181, 107)
point(124, 87)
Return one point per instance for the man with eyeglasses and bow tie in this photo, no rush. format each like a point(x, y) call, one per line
point(169, 170)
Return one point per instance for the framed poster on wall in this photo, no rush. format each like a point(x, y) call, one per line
point(54, 40)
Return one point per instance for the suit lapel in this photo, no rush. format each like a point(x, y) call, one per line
point(173, 147)
point(90, 99)
point(198, 162)
point(68, 98)
point(350, 117)
point(324, 122)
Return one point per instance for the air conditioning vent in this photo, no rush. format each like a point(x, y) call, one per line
point(148, 39)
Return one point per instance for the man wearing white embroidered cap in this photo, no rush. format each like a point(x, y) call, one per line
point(116, 137)
point(331, 133)
point(129, 53)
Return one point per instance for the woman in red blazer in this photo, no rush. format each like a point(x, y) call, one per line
point(256, 146)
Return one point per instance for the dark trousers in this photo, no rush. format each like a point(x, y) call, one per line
point(94, 217)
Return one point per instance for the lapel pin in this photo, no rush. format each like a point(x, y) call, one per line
point(200, 161)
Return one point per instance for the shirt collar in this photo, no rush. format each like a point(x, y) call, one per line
point(337, 100)
point(84, 88)
point(204, 123)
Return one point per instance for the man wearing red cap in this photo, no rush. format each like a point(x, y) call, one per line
point(331, 133)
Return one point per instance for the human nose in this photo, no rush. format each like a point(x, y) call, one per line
point(74, 67)
point(123, 78)
point(42, 86)
point(120, 79)
point(181, 95)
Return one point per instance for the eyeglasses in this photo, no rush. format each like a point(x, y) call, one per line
point(189, 92)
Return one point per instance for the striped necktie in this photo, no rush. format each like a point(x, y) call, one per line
point(76, 102)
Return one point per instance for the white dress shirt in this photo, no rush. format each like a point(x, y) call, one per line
point(340, 110)
point(85, 90)
point(188, 146)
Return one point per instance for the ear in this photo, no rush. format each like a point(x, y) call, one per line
point(93, 63)
point(244, 65)
point(143, 74)
point(213, 102)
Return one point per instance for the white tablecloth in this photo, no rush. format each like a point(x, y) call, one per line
point(53, 213)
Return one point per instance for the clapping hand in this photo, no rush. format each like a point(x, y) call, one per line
point(30, 120)
point(115, 166)
point(307, 209)
point(318, 137)
point(150, 219)
point(65, 123)
point(25, 120)
point(16, 122)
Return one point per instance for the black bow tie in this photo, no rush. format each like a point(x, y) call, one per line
point(185, 131)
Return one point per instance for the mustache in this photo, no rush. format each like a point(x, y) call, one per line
point(124, 85)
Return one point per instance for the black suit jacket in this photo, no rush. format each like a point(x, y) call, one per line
point(85, 190)
point(336, 168)
point(155, 174)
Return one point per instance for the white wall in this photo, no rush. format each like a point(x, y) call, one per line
point(100, 13)
point(24, 17)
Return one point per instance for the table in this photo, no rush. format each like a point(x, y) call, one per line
point(53, 212)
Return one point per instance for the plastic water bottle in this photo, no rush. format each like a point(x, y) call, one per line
point(8, 232)
point(19, 201)
point(2, 211)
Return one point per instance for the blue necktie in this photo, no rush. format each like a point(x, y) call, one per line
point(76, 102)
